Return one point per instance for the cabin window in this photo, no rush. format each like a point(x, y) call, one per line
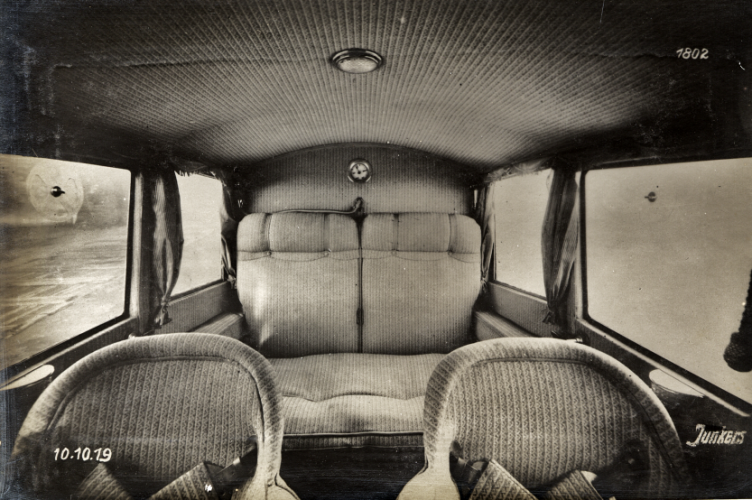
point(200, 201)
point(519, 206)
point(668, 258)
point(64, 246)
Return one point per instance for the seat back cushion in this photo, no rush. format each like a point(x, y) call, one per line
point(152, 409)
point(298, 282)
point(421, 277)
point(547, 407)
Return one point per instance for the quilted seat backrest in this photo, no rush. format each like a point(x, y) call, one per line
point(421, 278)
point(152, 409)
point(298, 282)
point(544, 407)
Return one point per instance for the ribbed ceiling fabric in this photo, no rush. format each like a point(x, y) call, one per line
point(479, 82)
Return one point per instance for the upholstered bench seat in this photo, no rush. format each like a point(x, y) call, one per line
point(353, 399)
point(354, 318)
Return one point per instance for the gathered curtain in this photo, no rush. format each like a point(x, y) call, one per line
point(559, 244)
point(166, 240)
point(524, 168)
point(738, 352)
point(230, 216)
point(486, 218)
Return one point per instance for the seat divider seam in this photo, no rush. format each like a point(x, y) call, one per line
point(361, 315)
point(395, 232)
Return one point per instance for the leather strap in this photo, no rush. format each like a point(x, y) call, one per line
point(574, 486)
point(483, 480)
point(497, 484)
point(196, 483)
point(356, 208)
point(205, 480)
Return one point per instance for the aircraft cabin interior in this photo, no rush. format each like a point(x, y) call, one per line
point(375, 249)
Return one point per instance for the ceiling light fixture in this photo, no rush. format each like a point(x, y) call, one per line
point(357, 61)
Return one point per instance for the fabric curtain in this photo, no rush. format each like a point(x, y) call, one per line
point(230, 216)
point(738, 353)
point(524, 168)
point(487, 221)
point(559, 244)
point(167, 242)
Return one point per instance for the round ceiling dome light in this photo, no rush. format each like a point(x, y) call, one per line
point(357, 61)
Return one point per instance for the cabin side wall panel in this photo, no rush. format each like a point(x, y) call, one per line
point(402, 181)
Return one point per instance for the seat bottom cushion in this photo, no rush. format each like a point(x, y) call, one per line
point(353, 399)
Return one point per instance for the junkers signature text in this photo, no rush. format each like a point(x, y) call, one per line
point(721, 436)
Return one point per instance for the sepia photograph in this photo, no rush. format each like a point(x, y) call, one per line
point(375, 249)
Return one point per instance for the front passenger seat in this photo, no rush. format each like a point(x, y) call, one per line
point(535, 411)
point(132, 419)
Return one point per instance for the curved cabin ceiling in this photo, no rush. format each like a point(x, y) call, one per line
point(483, 83)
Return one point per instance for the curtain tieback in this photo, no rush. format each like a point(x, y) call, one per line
point(549, 319)
point(162, 317)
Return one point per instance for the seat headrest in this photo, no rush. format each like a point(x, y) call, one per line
point(421, 232)
point(297, 232)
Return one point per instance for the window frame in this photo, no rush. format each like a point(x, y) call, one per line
point(222, 275)
point(42, 356)
point(589, 321)
point(495, 269)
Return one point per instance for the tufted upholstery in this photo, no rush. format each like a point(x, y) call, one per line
point(354, 399)
point(162, 405)
point(298, 282)
point(542, 408)
point(421, 277)
point(300, 285)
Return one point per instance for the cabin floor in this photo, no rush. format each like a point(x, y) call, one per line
point(350, 473)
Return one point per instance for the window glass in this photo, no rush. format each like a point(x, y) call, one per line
point(520, 205)
point(64, 244)
point(669, 253)
point(200, 201)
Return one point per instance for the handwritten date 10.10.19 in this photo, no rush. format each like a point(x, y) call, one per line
point(83, 454)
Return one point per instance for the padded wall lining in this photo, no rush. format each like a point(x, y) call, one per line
point(403, 180)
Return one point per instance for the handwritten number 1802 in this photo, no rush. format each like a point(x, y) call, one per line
point(83, 454)
point(692, 53)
